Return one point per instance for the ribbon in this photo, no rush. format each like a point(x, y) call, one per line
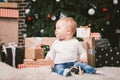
point(13, 46)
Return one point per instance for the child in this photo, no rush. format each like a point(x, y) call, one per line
point(66, 50)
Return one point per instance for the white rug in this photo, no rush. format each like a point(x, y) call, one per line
point(44, 73)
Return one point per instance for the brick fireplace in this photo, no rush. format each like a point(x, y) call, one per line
point(9, 15)
point(10, 8)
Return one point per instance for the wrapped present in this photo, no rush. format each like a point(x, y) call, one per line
point(83, 32)
point(19, 55)
point(48, 40)
point(34, 53)
point(96, 35)
point(38, 41)
point(91, 50)
point(9, 57)
point(38, 63)
point(44, 62)
point(90, 41)
point(32, 42)
point(107, 56)
point(29, 61)
point(20, 66)
point(14, 57)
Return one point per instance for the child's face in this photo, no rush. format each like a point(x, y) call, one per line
point(60, 31)
point(65, 28)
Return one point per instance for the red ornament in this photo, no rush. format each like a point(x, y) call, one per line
point(104, 9)
point(49, 16)
point(29, 18)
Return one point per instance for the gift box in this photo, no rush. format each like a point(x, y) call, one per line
point(34, 53)
point(38, 63)
point(20, 55)
point(9, 57)
point(17, 59)
point(37, 41)
point(90, 50)
point(48, 40)
point(90, 41)
point(32, 42)
point(96, 35)
point(29, 61)
point(107, 56)
point(83, 32)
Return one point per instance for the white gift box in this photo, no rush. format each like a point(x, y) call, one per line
point(83, 32)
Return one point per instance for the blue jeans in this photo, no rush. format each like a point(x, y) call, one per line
point(59, 68)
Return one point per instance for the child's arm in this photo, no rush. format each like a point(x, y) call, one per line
point(82, 53)
point(51, 54)
point(48, 59)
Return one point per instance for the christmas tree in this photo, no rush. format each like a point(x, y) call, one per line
point(41, 15)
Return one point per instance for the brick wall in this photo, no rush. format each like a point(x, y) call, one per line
point(22, 5)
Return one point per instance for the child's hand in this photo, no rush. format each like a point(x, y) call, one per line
point(83, 60)
point(48, 59)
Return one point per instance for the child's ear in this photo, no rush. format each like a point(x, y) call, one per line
point(68, 31)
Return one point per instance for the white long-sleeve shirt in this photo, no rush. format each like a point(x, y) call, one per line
point(66, 51)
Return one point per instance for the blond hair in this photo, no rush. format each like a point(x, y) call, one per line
point(68, 22)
